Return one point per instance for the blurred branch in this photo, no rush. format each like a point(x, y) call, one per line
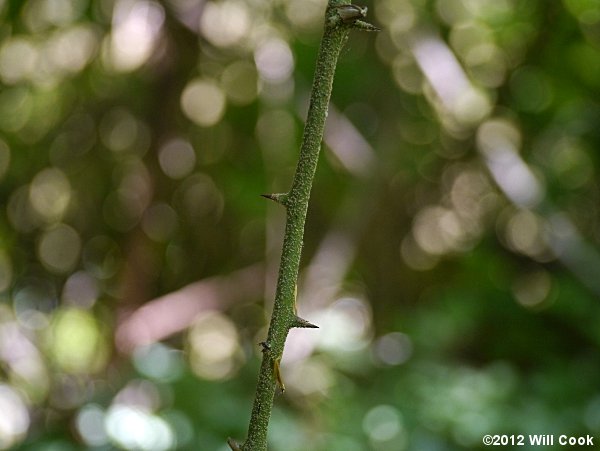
point(174, 312)
point(348, 145)
point(339, 19)
point(501, 156)
point(519, 184)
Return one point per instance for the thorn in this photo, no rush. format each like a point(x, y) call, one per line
point(295, 299)
point(277, 373)
point(365, 26)
point(301, 322)
point(235, 446)
point(280, 198)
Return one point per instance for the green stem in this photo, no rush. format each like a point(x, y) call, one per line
point(296, 203)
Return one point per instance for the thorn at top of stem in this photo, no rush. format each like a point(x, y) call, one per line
point(351, 15)
point(365, 26)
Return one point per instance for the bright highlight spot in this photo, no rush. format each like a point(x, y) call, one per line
point(76, 342)
point(80, 290)
point(18, 59)
point(225, 23)
point(59, 248)
point(308, 376)
point(274, 60)
point(90, 425)
point(159, 362)
point(214, 346)
point(39, 15)
point(438, 230)
point(525, 233)
point(135, 429)
point(440, 66)
point(305, 14)
point(136, 28)
point(50, 193)
point(14, 420)
point(345, 325)
point(203, 102)
point(70, 50)
point(499, 142)
point(393, 349)
point(382, 423)
point(177, 158)
point(240, 81)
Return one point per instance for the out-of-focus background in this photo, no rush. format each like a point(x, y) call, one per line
point(451, 256)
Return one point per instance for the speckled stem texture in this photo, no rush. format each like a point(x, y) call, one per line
point(296, 204)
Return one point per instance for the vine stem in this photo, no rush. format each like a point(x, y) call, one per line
point(336, 30)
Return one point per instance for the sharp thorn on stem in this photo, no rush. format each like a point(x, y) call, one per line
point(280, 198)
point(365, 26)
point(301, 322)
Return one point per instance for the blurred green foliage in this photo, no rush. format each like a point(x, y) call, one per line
point(451, 252)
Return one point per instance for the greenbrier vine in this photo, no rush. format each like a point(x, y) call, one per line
point(340, 18)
